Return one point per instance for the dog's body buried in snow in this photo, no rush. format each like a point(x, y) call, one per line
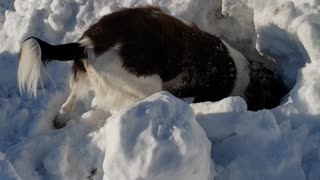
point(131, 54)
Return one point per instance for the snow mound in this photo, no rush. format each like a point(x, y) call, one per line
point(157, 139)
point(252, 145)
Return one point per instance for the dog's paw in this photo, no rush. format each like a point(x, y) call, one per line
point(60, 121)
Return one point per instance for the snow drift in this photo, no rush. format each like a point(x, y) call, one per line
point(282, 143)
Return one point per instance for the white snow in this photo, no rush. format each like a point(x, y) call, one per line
point(160, 138)
point(157, 139)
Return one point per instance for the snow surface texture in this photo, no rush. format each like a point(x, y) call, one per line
point(159, 137)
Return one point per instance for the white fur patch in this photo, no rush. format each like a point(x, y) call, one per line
point(86, 42)
point(30, 66)
point(242, 67)
point(115, 87)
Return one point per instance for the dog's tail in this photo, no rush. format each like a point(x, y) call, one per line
point(35, 53)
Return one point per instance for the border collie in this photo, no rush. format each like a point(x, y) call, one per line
point(133, 53)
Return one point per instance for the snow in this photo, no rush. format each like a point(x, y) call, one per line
point(163, 137)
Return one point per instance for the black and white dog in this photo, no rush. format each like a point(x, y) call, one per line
point(133, 53)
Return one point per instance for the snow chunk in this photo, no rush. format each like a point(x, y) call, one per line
point(306, 94)
point(61, 12)
point(262, 126)
point(309, 35)
point(219, 119)
point(245, 157)
point(229, 104)
point(157, 139)
point(7, 171)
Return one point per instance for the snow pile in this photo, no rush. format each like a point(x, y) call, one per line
point(159, 137)
point(251, 145)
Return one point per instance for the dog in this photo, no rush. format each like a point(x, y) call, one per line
point(135, 52)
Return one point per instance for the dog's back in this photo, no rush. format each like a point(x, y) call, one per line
point(152, 42)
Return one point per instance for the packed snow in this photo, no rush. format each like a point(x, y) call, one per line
point(163, 137)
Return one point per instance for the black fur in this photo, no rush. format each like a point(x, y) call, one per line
point(265, 89)
point(64, 52)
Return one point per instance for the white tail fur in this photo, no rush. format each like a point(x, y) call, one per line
point(30, 66)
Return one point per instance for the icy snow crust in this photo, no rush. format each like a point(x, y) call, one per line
point(162, 137)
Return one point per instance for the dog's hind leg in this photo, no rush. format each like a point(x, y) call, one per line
point(80, 87)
